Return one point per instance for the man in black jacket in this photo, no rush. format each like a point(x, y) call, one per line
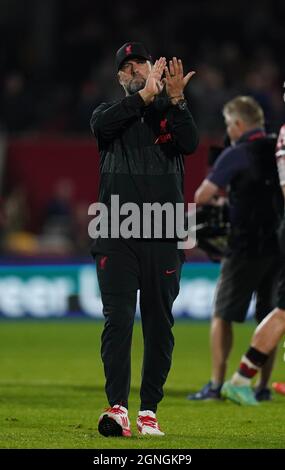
point(141, 140)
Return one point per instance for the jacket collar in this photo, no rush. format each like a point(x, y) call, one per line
point(253, 134)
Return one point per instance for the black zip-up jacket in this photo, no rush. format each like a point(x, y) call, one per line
point(142, 149)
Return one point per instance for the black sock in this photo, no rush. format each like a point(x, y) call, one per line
point(146, 407)
point(256, 357)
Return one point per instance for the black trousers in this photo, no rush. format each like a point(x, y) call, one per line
point(123, 267)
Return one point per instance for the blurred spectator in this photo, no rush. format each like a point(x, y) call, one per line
point(209, 94)
point(15, 110)
point(22, 243)
point(16, 210)
point(15, 239)
point(261, 82)
point(58, 224)
point(89, 98)
point(81, 221)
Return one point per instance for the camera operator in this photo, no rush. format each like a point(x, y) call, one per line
point(247, 169)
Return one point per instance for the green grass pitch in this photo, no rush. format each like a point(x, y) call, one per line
point(52, 391)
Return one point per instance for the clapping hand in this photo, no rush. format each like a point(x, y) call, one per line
point(175, 82)
point(154, 85)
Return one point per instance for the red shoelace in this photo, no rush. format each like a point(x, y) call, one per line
point(117, 411)
point(149, 421)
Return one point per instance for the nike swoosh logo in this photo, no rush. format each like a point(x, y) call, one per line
point(170, 271)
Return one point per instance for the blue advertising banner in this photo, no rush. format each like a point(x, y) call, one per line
point(69, 290)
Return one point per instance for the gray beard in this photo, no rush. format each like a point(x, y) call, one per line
point(135, 85)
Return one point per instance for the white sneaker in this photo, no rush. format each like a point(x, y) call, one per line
point(115, 422)
point(147, 424)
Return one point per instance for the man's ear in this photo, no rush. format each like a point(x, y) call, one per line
point(241, 127)
point(239, 123)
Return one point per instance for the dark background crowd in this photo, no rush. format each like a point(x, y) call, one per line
point(57, 56)
point(57, 64)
